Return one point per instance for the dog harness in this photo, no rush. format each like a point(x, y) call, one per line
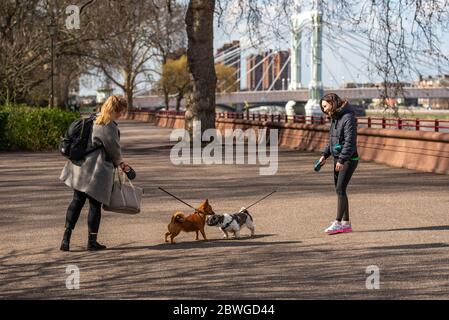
point(234, 217)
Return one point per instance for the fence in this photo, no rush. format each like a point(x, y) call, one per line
point(377, 140)
point(435, 125)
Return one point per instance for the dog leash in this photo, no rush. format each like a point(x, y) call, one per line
point(279, 187)
point(261, 199)
point(162, 189)
point(196, 210)
point(253, 204)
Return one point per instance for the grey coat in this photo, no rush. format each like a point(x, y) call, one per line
point(342, 131)
point(95, 174)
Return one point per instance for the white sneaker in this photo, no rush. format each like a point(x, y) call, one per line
point(346, 226)
point(334, 228)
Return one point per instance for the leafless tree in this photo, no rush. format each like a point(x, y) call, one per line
point(399, 33)
point(25, 56)
point(402, 36)
point(135, 37)
point(121, 39)
point(170, 39)
point(122, 52)
point(21, 49)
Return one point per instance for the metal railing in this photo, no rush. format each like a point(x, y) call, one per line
point(435, 125)
point(271, 117)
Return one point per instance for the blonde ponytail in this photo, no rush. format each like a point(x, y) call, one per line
point(113, 104)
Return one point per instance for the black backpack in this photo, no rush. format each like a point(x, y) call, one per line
point(74, 144)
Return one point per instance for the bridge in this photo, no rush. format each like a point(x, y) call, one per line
point(284, 96)
point(308, 23)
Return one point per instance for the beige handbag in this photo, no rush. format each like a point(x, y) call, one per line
point(125, 198)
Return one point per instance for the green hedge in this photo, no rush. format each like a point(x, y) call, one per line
point(26, 128)
point(3, 122)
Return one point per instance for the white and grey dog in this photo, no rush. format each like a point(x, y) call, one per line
point(232, 222)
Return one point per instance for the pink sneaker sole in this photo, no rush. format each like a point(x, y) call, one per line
point(343, 230)
point(334, 232)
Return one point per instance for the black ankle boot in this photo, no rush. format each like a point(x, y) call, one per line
point(65, 244)
point(92, 244)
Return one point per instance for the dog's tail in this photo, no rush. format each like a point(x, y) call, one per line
point(243, 210)
point(178, 217)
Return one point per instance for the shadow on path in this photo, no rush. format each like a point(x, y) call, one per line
point(429, 228)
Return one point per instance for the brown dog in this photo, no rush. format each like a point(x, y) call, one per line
point(193, 222)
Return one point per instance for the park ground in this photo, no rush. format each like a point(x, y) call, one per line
point(400, 220)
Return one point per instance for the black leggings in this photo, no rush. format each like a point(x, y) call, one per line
point(341, 180)
point(74, 210)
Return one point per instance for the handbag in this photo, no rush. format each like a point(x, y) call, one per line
point(125, 198)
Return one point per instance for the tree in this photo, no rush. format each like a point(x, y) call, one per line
point(175, 79)
point(200, 59)
point(399, 31)
point(226, 78)
point(123, 53)
point(25, 55)
point(127, 38)
point(169, 37)
point(401, 35)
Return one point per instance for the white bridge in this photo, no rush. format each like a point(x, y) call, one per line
point(309, 24)
point(300, 95)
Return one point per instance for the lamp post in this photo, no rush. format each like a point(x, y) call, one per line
point(52, 31)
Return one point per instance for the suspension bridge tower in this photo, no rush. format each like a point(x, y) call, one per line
point(297, 20)
point(300, 21)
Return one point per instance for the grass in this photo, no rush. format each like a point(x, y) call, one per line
point(424, 114)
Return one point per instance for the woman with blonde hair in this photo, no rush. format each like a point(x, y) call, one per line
point(92, 178)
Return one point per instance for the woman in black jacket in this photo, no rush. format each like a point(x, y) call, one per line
point(342, 146)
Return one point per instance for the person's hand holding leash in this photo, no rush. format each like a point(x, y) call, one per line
point(339, 167)
point(322, 161)
point(125, 166)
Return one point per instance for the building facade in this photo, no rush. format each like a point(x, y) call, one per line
point(268, 70)
point(434, 82)
point(254, 73)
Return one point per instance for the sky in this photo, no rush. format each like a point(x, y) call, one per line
point(345, 54)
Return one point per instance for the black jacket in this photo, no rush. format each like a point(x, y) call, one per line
point(343, 131)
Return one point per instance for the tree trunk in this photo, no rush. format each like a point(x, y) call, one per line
point(166, 99)
point(128, 91)
point(128, 85)
point(178, 101)
point(200, 102)
point(129, 97)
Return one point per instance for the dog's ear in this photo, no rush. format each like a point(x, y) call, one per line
point(207, 201)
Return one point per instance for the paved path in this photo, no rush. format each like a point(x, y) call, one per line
point(400, 219)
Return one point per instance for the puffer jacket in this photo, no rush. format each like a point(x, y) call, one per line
point(343, 132)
